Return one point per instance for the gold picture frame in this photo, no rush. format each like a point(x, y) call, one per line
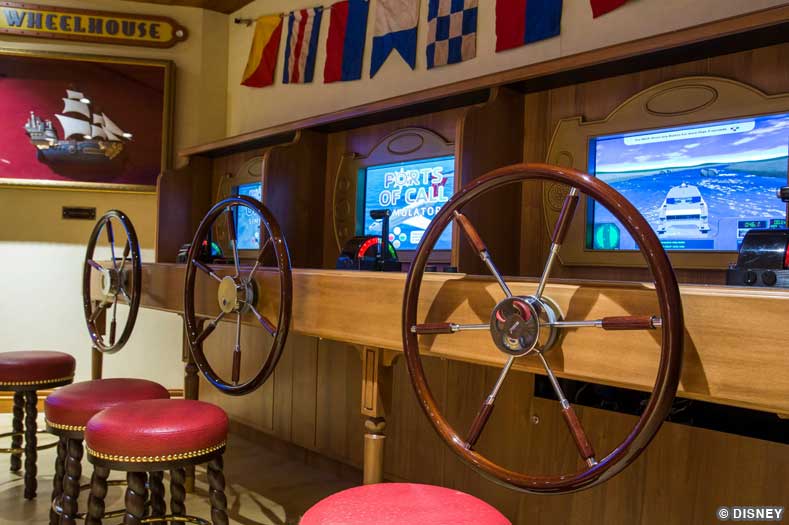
point(164, 127)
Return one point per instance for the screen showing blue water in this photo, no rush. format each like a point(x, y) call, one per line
point(414, 192)
point(701, 187)
point(247, 220)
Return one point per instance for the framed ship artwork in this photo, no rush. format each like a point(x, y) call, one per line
point(84, 122)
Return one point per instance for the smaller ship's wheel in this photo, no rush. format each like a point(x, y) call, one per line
point(238, 294)
point(529, 326)
point(120, 278)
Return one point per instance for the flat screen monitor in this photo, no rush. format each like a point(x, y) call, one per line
point(414, 192)
point(701, 187)
point(247, 221)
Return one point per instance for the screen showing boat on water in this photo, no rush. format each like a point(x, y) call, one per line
point(701, 186)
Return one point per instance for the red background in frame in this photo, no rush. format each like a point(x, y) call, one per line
point(131, 95)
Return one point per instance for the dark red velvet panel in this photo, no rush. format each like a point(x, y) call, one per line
point(131, 95)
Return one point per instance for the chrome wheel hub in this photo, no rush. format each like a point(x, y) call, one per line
point(234, 295)
point(520, 325)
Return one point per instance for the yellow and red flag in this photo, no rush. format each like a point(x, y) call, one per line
point(262, 59)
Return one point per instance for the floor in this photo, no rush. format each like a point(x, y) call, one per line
point(263, 488)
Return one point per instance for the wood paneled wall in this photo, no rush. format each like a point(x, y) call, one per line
point(489, 139)
point(685, 475)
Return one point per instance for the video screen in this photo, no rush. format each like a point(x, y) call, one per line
point(414, 191)
point(700, 187)
point(247, 220)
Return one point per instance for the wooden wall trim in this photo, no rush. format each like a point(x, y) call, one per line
point(675, 39)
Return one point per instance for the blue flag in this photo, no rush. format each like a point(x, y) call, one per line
point(395, 28)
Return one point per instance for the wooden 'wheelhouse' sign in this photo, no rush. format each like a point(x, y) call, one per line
point(89, 26)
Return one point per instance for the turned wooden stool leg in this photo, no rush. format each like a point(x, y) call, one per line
point(216, 492)
point(156, 484)
point(17, 441)
point(98, 491)
point(71, 482)
point(31, 427)
point(136, 495)
point(177, 492)
point(191, 391)
point(57, 480)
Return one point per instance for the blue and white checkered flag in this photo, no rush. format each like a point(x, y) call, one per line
point(451, 31)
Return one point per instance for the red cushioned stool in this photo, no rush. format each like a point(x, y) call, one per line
point(152, 436)
point(24, 373)
point(67, 413)
point(402, 504)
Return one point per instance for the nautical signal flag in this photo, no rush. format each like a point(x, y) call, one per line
point(601, 7)
point(395, 29)
point(520, 22)
point(345, 44)
point(451, 31)
point(301, 47)
point(262, 59)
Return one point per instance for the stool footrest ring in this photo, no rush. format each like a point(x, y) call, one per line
point(80, 516)
point(178, 519)
point(22, 450)
point(58, 509)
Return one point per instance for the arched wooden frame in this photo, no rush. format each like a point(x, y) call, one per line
point(679, 102)
point(249, 172)
point(403, 145)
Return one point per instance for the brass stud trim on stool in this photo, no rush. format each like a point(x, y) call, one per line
point(69, 428)
point(156, 459)
point(39, 382)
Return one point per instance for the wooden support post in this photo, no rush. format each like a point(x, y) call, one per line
point(376, 402)
point(96, 357)
point(191, 391)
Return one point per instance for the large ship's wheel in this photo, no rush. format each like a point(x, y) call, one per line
point(528, 326)
point(238, 294)
point(120, 278)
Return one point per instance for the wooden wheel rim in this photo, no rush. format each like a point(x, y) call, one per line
point(136, 281)
point(282, 258)
point(669, 367)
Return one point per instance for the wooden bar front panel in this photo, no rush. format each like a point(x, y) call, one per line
point(734, 336)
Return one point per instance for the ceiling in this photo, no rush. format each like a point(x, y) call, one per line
point(223, 6)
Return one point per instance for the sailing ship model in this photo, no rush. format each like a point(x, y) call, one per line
point(87, 136)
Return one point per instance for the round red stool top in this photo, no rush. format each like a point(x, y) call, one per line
point(156, 430)
point(35, 367)
point(402, 504)
point(70, 407)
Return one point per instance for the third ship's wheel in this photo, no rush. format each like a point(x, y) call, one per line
point(238, 294)
point(120, 278)
point(528, 326)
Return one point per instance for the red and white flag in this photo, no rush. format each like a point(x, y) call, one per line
point(601, 7)
point(301, 47)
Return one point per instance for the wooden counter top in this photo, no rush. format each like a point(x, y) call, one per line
point(736, 349)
